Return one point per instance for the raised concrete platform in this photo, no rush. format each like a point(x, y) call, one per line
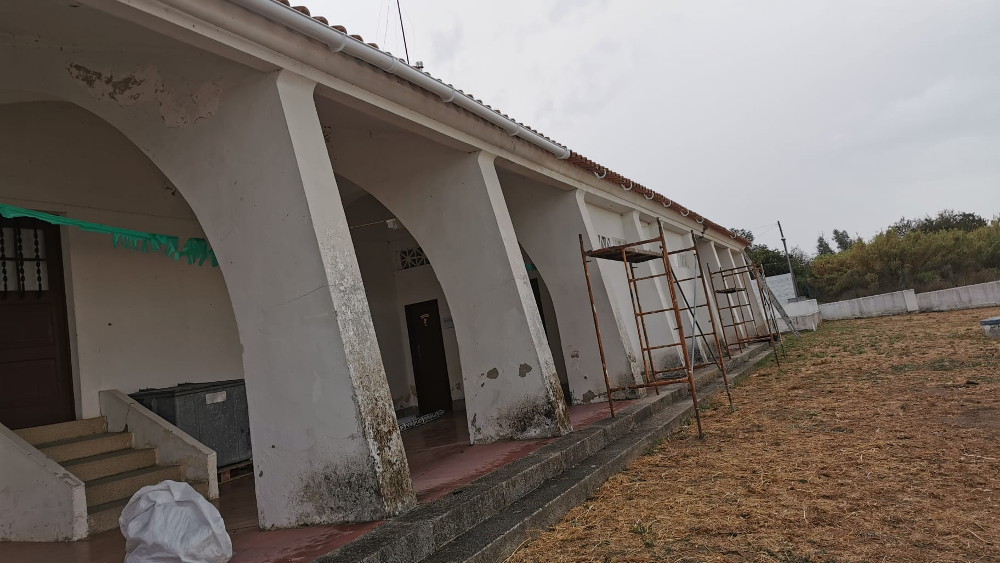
point(991, 327)
point(487, 519)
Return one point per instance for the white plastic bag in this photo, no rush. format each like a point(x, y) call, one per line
point(170, 522)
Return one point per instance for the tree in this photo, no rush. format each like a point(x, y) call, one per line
point(842, 239)
point(950, 219)
point(822, 247)
point(906, 256)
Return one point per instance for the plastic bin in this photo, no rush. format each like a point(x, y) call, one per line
point(215, 414)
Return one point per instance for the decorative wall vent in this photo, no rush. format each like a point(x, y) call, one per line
point(412, 258)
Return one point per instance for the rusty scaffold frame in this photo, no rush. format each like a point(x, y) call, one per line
point(630, 255)
point(736, 288)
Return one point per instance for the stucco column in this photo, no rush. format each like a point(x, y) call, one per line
point(710, 266)
point(548, 221)
point(326, 445)
point(742, 313)
point(451, 202)
point(753, 295)
point(699, 293)
point(246, 152)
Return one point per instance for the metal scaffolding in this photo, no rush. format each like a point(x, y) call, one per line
point(732, 299)
point(655, 250)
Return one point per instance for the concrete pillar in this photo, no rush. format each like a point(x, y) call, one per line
point(738, 298)
point(548, 222)
point(654, 295)
point(711, 265)
point(698, 294)
point(753, 295)
point(245, 150)
point(451, 202)
point(325, 441)
point(326, 446)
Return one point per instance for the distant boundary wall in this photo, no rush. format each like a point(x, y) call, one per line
point(965, 297)
point(900, 302)
point(895, 303)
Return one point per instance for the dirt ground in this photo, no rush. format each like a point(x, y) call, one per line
point(876, 440)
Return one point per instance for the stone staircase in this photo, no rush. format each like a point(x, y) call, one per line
point(110, 467)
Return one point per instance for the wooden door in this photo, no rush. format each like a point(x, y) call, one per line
point(36, 380)
point(430, 366)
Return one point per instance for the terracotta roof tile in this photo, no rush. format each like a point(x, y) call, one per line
point(576, 159)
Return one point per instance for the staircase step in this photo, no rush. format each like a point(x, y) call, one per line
point(124, 485)
point(63, 430)
point(104, 517)
point(458, 527)
point(86, 446)
point(110, 463)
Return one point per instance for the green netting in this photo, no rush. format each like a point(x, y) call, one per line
point(195, 249)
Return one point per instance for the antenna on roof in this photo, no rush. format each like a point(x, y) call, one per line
point(406, 49)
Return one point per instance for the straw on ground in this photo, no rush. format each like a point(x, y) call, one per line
point(876, 441)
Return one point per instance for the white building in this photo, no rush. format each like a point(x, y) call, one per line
point(384, 243)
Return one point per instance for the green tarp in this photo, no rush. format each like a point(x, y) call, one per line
point(195, 250)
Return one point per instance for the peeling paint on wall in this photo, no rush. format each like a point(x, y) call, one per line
point(178, 105)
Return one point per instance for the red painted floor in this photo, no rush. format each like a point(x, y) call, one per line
point(441, 460)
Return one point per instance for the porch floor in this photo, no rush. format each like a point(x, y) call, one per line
point(441, 460)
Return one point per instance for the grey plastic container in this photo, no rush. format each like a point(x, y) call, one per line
point(215, 414)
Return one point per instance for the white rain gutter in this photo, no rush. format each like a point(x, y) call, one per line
point(339, 42)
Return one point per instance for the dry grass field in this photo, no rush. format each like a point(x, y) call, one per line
point(876, 440)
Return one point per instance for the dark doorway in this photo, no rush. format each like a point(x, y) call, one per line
point(36, 380)
point(430, 366)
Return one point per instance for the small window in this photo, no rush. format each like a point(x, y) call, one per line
point(411, 258)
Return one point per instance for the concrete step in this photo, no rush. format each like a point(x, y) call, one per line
point(124, 485)
point(63, 430)
point(104, 517)
point(110, 463)
point(474, 512)
point(497, 537)
point(85, 446)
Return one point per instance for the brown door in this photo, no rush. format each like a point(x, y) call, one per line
point(430, 367)
point(36, 381)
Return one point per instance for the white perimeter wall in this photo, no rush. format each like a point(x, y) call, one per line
point(781, 285)
point(965, 297)
point(898, 302)
point(136, 320)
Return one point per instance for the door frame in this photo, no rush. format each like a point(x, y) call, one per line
point(448, 404)
point(56, 262)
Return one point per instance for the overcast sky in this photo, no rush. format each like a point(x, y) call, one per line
point(822, 115)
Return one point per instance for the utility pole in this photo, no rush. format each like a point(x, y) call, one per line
point(788, 257)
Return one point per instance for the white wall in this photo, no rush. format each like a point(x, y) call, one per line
point(965, 297)
point(136, 320)
point(906, 301)
point(804, 314)
point(39, 499)
point(610, 224)
point(781, 286)
point(894, 303)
